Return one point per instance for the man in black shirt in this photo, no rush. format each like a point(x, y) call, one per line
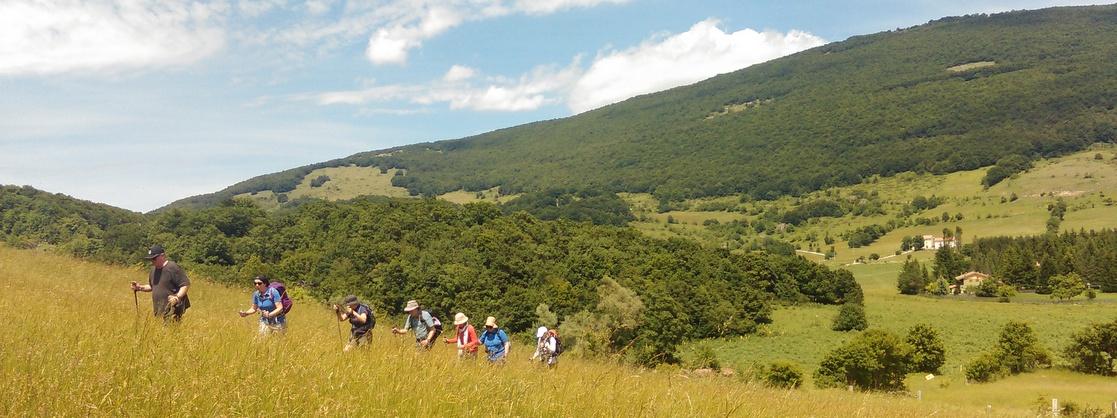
point(167, 284)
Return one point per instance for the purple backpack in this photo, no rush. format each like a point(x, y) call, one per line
point(286, 301)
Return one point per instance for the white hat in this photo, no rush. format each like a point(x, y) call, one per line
point(539, 333)
point(411, 306)
point(460, 318)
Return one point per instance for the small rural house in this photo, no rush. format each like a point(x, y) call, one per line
point(931, 242)
point(968, 281)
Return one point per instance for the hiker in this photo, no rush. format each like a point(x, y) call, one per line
point(168, 285)
point(268, 302)
point(466, 338)
point(426, 326)
point(495, 341)
point(546, 346)
point(360, 318)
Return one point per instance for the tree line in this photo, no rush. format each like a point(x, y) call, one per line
point(471, 258)
point(1031, 262)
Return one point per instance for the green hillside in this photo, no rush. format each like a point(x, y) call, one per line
point(1018, 206)
point(954, 94)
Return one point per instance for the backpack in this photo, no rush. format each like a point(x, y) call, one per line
point(437, 323)
point(558, 342)
point(283, 299)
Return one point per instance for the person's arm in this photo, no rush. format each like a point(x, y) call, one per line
point(177, 296)
point(406, 326)
point(183, 283)
point(426, 317)
point(250, 311)
point(360, 317)
point(136, 287)
point(507, 343)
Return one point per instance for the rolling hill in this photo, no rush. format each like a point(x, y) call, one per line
point(954, 94)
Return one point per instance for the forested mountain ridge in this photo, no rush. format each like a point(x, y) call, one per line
point(953, 94)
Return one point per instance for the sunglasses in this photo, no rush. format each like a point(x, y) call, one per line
point(258, 282)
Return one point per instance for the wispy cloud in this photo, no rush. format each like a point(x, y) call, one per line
point(659, 63)
point(458, 89)
point(60, 36)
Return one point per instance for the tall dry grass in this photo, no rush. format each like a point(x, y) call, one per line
point(73, 344)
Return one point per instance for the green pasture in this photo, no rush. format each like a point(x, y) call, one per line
point(967, 325)
point(1088, 185)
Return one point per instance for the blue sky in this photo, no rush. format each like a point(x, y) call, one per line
point(138, 103)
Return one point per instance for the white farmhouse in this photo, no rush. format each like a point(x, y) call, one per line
point(931, 242)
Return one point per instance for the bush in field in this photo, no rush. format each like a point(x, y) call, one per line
point(985, 368)
point(1017, 351)
point(929, 352)
point(850, 317)
point(1094, 349)
point(705, 358)
point(782, 374)
point(874, 360)
point(319, 181)
point(1020, 350)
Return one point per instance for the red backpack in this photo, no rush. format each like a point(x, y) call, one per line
point(283, 299)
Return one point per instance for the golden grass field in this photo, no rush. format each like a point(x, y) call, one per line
point(73, 344)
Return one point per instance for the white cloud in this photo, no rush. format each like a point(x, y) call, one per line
point(697, 54)
point(657, 64)
point(390, 46)
point(459, 73)
point(61, 36)
point(542, 86)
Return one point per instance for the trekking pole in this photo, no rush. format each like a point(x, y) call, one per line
point(338, 323)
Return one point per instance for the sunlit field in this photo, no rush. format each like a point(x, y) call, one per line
point(968, 326)
point(74, 343)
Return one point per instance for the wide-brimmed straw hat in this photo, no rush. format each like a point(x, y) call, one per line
point(411, 306)
point(460, 318)
point(491, 322)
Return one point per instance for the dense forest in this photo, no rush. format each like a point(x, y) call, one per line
point(472, 258)
point(953, 94)
point(1031, 262)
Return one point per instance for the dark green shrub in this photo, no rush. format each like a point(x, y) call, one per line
point(850, 317)
point(705, 358)
point(319, 181)
point(874, 360)
point(986, 368)
point(782, 374)
point(1094, 349)
point(1020, 350)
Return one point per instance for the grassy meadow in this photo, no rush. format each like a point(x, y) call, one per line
point(968, 327)
point(1086, 183)
point(74, 344)
point(345, 183)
